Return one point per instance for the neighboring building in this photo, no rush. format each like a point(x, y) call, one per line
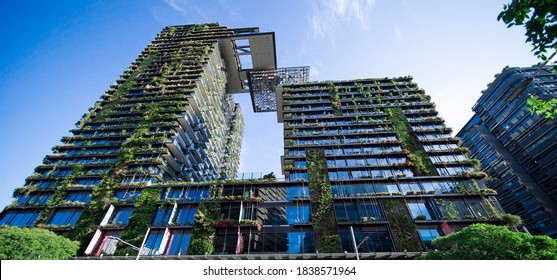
point(157, 158)
point(380, 149)
point(518, 149)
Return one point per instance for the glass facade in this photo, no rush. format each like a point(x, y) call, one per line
point(382, 140)
point(518, 149)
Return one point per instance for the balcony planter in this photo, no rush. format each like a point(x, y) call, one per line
point(421, 218)
point(225, 223)
point(488, 191)
point(110, 226)
point(53, 227)
point(368, 219)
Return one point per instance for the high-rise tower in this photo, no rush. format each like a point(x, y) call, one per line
point(170, 117)
point(518, 149)
point(375, 154)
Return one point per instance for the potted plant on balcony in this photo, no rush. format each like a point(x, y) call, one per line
point(421, 218)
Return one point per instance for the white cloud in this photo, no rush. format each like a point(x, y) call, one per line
point(193, 8)
point(398, 34)
point(327, 15)
point(176, 5)
point(314, 73)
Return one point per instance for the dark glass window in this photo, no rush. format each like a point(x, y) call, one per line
point(420, 210)
point(163, 215)
point(20, 218)
point(185, 215)
point(358, 212)
point(37, 199)
point(153, 243)
point(179, 241)
point(301, 242)
point(295, 176)
point(127, 194)
point(427, 235)
point(378, 240)
point(267, 242)
point(121, 215)
point(297, 214)
point(226, 241)
point(84, 197)
point(297, 193)
point(272, 215)
point(66, 216)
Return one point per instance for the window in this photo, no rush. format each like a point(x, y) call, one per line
point(370, 211)
point(427, 235)
point(121, 215)
point(179, 241)
point(340, 163)
point(226, 241)
point(153, 243)
point(297, 214)
point(186, 194)
point(272, 215)
point(419, 210)
point(297, 193)
point(231, 211)
point(185, 215)
point(106, 245)
point(21, 218)
point(273, 242)
point(37, 199)
point(343, 175)
point(479, 209)
point(127, 194)
point(296, 176)
point(83, 197)
point(378, 240)
point(66, 216)
point(88, 182)
point(142, 179)
point(301, 242)
point(162, 215)
point(358, 212)
point(300, 163)
point(404, 188)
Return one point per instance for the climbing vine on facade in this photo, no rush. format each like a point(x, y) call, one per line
point(203, 231)
point(335, 99)
point(144, 207)
point(417, 157)
point(322, 206)
point(404, 231)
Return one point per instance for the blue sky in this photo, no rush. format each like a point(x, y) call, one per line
point(58, 57)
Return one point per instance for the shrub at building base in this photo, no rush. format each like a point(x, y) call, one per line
point(34, 243)
point(490, 242)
